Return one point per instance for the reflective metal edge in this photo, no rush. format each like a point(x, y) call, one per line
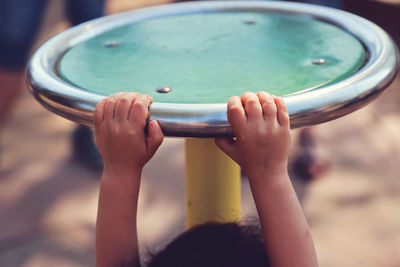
point(210, 120)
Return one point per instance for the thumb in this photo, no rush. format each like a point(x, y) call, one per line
point(227, 145)
point(155, 137)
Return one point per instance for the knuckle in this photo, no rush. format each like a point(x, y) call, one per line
point(111, 102)
point(123, 100)
point(139, 105)
point(284, 116)
point(115, 130)
point(263, 94)
point(132, 134)
point(267, 112)
point(269, 106)
point(270, 101)
point(252, 101)
point(235, 109)
point(247, 94)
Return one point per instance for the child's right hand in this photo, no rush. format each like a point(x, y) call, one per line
point(261, 126)
point(120, 122)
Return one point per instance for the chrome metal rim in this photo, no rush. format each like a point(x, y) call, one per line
point(210, 120)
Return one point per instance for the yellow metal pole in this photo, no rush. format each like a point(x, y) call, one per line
point(212, 184)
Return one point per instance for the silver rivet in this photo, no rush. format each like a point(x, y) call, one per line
point(318, 61)
point(164, 90)
point(111, 44)
point(249, 21)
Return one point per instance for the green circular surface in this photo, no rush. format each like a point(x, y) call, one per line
point(208, 57)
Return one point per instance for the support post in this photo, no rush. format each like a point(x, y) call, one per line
point(212, 184)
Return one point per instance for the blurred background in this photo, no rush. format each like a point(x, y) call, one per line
point(48, 194)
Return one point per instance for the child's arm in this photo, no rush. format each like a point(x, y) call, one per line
point(261, 126)
point(120, 122)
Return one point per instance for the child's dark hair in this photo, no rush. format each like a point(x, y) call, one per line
point(215, 245)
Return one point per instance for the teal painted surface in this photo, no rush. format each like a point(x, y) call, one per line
point(206, 58)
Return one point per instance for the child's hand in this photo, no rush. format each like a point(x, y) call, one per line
point(261, 148)
point(120, 122)
point(261, 126)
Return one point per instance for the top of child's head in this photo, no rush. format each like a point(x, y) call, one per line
point(215, 245)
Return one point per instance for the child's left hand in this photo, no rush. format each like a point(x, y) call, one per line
point(120, 122)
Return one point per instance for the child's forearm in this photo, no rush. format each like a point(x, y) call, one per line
point(286, 232)
point(116, 234)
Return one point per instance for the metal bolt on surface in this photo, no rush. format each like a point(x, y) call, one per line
point(111, 44)
point(249, 21)
point(163, 90)
point(318, 61)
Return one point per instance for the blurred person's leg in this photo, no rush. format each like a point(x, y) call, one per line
point(19, 23)
point(84, 147)
point(308, 166)
point(10, 83)
point(79, 11)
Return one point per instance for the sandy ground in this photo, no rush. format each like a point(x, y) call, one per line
point(48, 201)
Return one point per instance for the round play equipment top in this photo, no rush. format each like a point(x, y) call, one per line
point(206, 58)
point(191, 57)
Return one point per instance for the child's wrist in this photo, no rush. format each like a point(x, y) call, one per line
point(123, 176)
point(267, 171)
point(267, 175)
point(271, 186)
point(118, 171)
point(126, 184)
point(119, 192)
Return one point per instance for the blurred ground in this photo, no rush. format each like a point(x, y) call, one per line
point(48, 202)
